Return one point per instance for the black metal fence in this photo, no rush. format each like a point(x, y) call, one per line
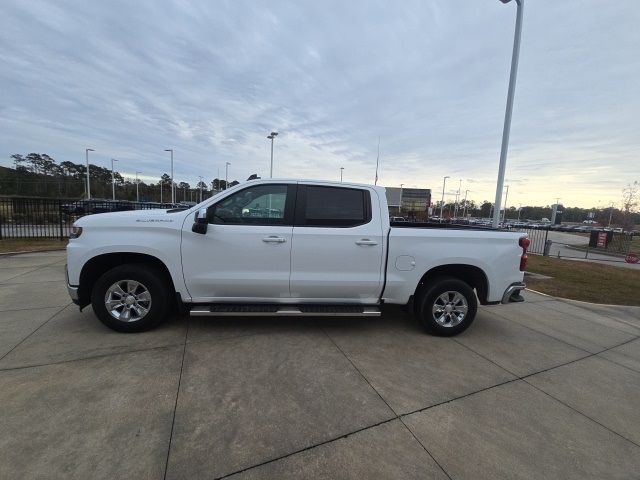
point(620, 243)
point(545, 242)
point(53, 218)
point(538, 239)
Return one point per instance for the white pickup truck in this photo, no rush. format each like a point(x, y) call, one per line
point(288, 247)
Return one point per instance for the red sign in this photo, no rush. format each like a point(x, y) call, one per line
point(632, 258)
point(602, 239)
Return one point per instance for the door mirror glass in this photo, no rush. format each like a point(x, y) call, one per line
point(200, 222)
point(201, 216)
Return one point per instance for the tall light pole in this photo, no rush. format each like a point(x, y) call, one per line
point(341, 172)
point(173, 193)
point(226, 175)
point(444, 183)
point(610, 214)
point(506, 197)
point(400, 205)
point(86, 153)
point(464, 207)
point(508, 111)
point(272, 136)
point(200, 185)
point(137, 188)
point(113, 180)
point(458, 199)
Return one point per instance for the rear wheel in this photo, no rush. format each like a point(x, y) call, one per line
point(131, 298)
point(447, 307)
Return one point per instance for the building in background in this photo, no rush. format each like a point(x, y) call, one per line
point(556, 213)
point(415, 202)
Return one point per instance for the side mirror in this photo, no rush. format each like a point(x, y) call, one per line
point(200, 222)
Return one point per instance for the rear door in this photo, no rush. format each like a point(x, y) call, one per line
point(337, 251)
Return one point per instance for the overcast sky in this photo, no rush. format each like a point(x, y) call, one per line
point(211, 79)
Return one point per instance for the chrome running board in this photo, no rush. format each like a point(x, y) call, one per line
point(235, 310)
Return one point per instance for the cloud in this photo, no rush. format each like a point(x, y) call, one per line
point(211, 80)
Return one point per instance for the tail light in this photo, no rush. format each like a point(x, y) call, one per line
point(524, 243)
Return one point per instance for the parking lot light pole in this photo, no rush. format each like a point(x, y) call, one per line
point(508, 111)
point(86, 153)
point(400, 203)
point(341, 172)
point(226, 175)
point(200, 186)
point(173, 193)
point(137, 188)
point(464, 206)
point(113, 180)
point(610, 214)
point(458, 199)
point(444, 183)
point(506, 196)
point(272, 136)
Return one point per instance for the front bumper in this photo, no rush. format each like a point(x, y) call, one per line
point(512, 293)
point(72, 290)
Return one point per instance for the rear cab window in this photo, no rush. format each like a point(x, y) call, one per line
point(323, 206)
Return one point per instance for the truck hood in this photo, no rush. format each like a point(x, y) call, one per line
point(137, 217)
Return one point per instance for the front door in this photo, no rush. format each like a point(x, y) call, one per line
point(246, 253)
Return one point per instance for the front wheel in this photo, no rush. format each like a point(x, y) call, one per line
point(447, 307)
point(130, 298)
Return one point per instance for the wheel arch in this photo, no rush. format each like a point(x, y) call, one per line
point(98, 265)
point(474, 276)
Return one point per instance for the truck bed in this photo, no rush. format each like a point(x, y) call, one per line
point(451, 226)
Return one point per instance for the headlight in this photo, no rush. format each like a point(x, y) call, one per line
point(75, 232)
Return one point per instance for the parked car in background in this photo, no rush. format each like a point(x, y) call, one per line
point(97, 205)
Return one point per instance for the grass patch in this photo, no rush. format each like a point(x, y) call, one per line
point(588, 282)
point(8, 245)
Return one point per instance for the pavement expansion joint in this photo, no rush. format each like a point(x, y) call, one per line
point(175, 405)
point(92, 357)
point(39, 327)
point(581, 413)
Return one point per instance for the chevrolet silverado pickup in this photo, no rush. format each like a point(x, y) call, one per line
point(288, 247)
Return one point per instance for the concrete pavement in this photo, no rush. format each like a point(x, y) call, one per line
point(544, 389)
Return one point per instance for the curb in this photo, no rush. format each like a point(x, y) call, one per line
point(8, 254)
point(580, 301)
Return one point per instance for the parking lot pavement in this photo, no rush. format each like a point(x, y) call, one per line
point(544, 389)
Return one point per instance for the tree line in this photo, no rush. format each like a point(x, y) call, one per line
point(40, 175)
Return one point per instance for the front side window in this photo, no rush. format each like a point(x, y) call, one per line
point(335, 207)
point(259, 205)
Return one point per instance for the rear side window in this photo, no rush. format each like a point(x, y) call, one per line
point(333, 207)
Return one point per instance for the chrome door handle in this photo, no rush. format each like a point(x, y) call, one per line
point(274, 239)
point(366, 241)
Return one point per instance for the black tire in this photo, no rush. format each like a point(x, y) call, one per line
point(151, 280)
point(451, 323)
